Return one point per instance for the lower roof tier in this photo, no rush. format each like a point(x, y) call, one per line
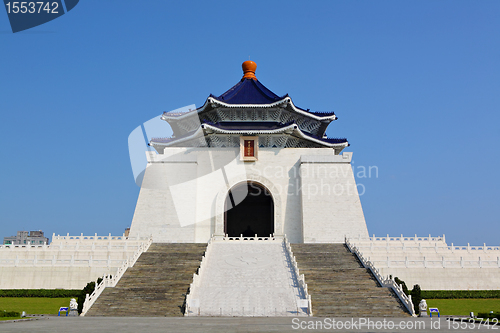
point(282, 111)
point(269, 136)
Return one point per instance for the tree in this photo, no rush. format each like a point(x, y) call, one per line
point(89, 289)
point(416, 297)
point(403, 284)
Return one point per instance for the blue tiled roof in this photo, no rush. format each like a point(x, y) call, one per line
point(248, 91)
point(249, 125)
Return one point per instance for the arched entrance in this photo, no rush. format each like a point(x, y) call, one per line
point(249, 210)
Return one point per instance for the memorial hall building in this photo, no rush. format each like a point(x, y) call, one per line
point(249, 141)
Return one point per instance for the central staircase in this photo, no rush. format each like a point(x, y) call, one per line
point(246, 278)
point(340, 286)
point(157, 284)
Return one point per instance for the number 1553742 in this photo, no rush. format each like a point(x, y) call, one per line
point(25, 7)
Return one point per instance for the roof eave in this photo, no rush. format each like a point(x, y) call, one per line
point(211, 102)
point(293, 128)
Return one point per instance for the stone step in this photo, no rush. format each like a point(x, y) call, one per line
point(340, 286)
point(155, 286)
point(244, 279)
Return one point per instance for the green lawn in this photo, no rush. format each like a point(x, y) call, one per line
point(462, 307)
point(33, 305)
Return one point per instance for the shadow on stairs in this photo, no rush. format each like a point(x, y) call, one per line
point(340, 286)
point(155, 286)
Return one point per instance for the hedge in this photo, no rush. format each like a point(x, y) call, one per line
point(10, 314)
point(457, 294)
point(50, 293)
point(489, 315)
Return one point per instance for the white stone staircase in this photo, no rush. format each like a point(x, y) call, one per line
point(247, 277)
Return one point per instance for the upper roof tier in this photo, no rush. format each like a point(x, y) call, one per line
point(249, 100)
point(249, 90)
point(249, 108)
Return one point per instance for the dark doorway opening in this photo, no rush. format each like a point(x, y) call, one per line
point(249, 210)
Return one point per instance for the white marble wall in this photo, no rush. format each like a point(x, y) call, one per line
point(331, 208)
point(183, 193)
point(69, 262)
point(433, 264)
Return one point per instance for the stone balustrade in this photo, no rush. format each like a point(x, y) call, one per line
point(299, 277)
point(442, 263)
point(112, 280)
point(384, 282)
point(197, 276)
point(78, 251)
point(69, 262)
point(90, 238)
point(432, 263)
point(255, 238)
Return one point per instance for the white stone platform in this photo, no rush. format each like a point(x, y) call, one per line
point(69, 262)
point(246, 278)
point(431, 263)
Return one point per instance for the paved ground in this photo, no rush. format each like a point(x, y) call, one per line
point(225, 324)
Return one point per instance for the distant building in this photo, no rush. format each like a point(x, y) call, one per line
point(27, 238)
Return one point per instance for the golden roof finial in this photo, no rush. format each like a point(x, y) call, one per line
point(249, 68)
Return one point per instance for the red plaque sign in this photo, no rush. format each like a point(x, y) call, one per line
point(249, 148)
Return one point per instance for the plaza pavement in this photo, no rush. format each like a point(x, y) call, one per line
point(217, 325)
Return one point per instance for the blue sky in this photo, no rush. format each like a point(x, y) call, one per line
point(415, 85)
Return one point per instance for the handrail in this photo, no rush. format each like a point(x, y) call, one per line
point(111, 281)
point(442, 262)
point(300, 277)
point(384, 282)
point(403, 238)
point(197, 277)
point(255, 238)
